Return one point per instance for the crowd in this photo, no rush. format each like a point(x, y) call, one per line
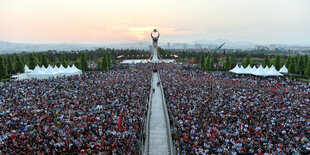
point(95, 113)
point(230, 114)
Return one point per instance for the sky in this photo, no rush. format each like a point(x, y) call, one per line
point(121, 21)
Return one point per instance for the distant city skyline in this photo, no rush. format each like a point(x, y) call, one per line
point(100, 22)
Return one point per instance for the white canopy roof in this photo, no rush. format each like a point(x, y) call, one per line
point(247, 69)
point(283, 70)
point(62, 68)
point(75, 69)
point(36, 71)
point(69, 70)
point(50, 70)
point(242, 70)
point(266, 69)
point(56, 69)
point(27, 70)
point(273, 72)
point(259, 71)
point(235, 69)
point(43, 69)
point(252, 70)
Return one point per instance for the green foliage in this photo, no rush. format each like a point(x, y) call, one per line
point(266, 61)
point(292, 65)
point(277, 63)
point(227, 64)
point(104, 63)
point(208, 63)
point(33, 61)
point(19, 66)
point(109, 61)
point(64, 61)
point(10, 65)
point(306, 58)
point(288, 61)
point(84, 64)
point(202, 60)
point(3, 68)
point(247, 60)
point(77, 63)
point(57, 63)
point(301, 67)
point(307, 71)
point(44, 61)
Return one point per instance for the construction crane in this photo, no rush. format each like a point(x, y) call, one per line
point(217, 49)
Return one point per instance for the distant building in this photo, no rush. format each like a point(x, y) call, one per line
point(259, 47)
point(168, 45)
point(198, 46)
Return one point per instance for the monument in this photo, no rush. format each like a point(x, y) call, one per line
point(155, 43)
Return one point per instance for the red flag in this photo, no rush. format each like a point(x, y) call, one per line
point(120, 121)
point(277, 85)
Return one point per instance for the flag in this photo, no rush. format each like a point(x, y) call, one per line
point(277, 85)
point(120, 121)
point(55, 121)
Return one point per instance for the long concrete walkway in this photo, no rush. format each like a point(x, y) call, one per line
point(158, 141)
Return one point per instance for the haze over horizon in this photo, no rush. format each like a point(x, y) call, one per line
point(97, 22)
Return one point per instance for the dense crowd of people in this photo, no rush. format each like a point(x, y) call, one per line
point(231, 114)
point(95, 113)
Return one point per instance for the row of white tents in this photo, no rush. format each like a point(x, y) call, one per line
point(47, 73)
point(260, 71)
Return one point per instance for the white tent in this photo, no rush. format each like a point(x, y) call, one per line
point(76, 70)
point(247, 69)
point(242, 70)
point(235, 69)
point(283, 70)
point(69, 71)
point(57, 70)
point(62, 68)
point(273, 72)
point(266, 69)
point(50, 72)
point(27, 70)
point(259, 71)
point(252, 70)
point(36, 73)
point(43, 69)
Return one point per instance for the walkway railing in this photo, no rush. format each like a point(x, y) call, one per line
point(171, 147)
point(147, 122)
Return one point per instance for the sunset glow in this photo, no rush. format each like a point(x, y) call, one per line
point(97, 21)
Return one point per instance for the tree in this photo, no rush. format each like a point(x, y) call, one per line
point(109, 60)
point(306, 58)
point(277, 63)
point(266, 61)
point(3, 68)
point(64, 61)
point(292, 66)
point(247, 60)
point(104, 63)
point(77, 63)
point(202, 60)
point(44, 60)
point(10, 65)
point(19, 66)
point(207, 63)
point(301, 67)
point(288, 61)
point(227, 63)
point(84, 64)
point(33, 61)
point(307, 71)
point(57, 63)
